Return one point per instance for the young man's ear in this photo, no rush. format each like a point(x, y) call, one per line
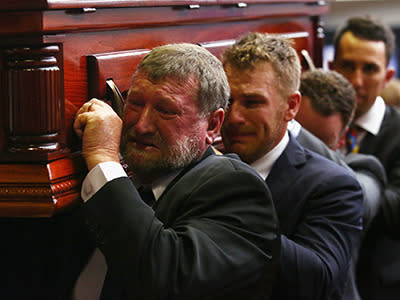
point(342, 140)
point(214, 125)
point(341, 143)
point(293, 101)
point(389, 75)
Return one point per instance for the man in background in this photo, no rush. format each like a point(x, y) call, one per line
point(327, 109)
point(363, 48)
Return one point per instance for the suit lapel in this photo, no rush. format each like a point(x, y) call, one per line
point(285, 171)
point(208, 152)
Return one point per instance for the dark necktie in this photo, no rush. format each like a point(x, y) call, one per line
point(351, 140)
point(147, 195)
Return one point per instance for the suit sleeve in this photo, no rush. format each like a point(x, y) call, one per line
point(389, 213)
point(315, 257)
point(371, 175)
point(222, 235)
point(386, 147)
point(391, 210)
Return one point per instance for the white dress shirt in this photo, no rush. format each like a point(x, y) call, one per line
point(264, 164)
point(294, 127)
point(107, 171)
point(99, 176)
point(370, 122)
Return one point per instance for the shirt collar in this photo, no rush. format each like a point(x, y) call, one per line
point(264, 164)
point(158, 186)
point(294, 127)
point(371, 121)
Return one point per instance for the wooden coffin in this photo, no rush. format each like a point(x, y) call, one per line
point(57, 54)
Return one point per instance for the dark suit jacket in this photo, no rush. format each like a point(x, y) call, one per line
point(213, 234)
point(372, 178)
point(319, 206)
point(386, 147)
point(368, 170)
point(311, 142)
point(379, 262)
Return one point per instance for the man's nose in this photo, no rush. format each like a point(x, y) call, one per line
point(145, 122)
point(235, 113)
point(357, 79)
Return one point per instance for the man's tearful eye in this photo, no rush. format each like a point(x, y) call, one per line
point(168, 110)
point(135, 104)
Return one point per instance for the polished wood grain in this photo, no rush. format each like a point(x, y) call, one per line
point(40, 190)
point(34, 83)
point(117, 66)
point(56, 54)
point(64, 4)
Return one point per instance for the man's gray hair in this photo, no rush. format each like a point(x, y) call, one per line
point(183, 60)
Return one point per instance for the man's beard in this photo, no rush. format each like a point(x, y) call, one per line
point(146, 167)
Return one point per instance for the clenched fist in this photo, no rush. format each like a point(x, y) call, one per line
point(99, 127)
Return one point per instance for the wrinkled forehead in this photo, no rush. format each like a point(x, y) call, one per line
point(145, 87)
point(166, 78)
